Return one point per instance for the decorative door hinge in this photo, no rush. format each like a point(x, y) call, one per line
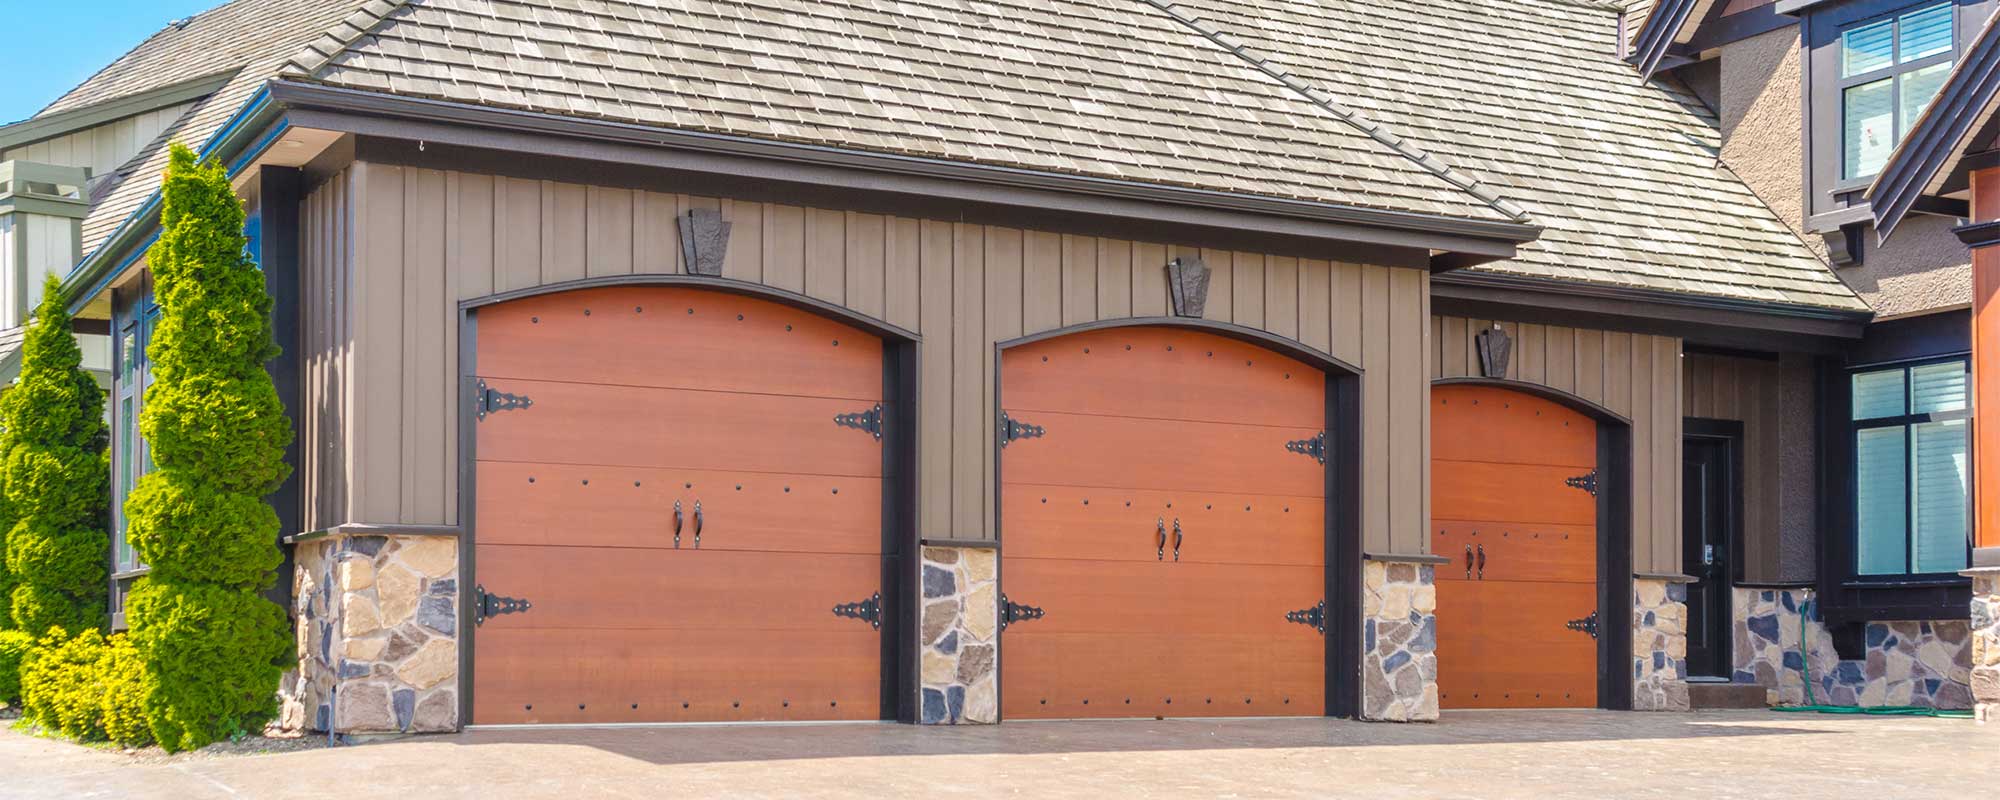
point(869, 610)
point(1314, 447)
point(486, 604)
point(1587, 624)
point(1011, 612)
point(1011, 429)
point(494, 401)
point(869, 421)
point(1586, 482)
point(1315, 617)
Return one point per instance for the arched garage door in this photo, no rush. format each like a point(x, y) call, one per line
point(1163, 510)
point(662, 483)
point(1513, 504)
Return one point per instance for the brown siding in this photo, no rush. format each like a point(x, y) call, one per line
point(1635, 375)
point(1750, 391)
point(429, 239)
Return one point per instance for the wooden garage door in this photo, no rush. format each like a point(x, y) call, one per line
point(679, 509)
point(1156, 518)
point(1509, 507)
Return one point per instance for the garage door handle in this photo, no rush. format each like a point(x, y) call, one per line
point(697, 524)
point(1468, 562)
point(677, 524)
point(1482, 556)
point(1160, 542)
point(1177, 540)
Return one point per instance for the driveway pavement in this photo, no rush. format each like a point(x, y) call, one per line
point(1492, 754)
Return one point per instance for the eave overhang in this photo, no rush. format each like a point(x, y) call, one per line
point(1933, 159)
point(1665, 26)
point(35, 129)
point(1700, 319)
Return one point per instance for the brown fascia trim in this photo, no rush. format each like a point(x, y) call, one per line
point(1936, 143)
point(1697, 319)
point(1659, 32)
point(469, 125)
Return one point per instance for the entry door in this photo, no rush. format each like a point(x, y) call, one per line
point(1707, 486)
point(1163, 528)
point(1513, 505)
point(678, 511)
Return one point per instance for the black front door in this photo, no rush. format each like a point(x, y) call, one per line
point(1708, 487)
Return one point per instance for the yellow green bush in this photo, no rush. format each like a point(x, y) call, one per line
point(87, 687)
point(14, 646)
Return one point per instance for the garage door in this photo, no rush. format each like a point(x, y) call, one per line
point(1513, 505)
point(671, 525)
point(1163, 527)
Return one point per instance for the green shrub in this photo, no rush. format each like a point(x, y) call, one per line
point(86, 687)
point(14, 647)
point(55, 478)
point(213, 648)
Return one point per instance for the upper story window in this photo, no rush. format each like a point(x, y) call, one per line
point(1912, 467)
point(1889, 70)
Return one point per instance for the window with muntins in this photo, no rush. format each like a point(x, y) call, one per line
point(1910, 428)
point(129, 456)
point(1890, 69)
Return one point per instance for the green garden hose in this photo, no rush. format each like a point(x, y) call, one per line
point(1805, 673)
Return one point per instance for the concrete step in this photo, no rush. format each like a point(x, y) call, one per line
point(1725, 695)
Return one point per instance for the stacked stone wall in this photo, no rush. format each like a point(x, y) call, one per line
point(1659, 645)
point(1984, 654)
point(377, 631)
point(959, 636)
point(1906, 663)
point(1399, 630)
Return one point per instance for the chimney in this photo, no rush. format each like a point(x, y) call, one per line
point(41, 231)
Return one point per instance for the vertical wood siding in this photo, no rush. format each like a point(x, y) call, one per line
point(326, 343)
point(1635, 375)
point(426, 240)
point(1747, 391)
point(102, 148)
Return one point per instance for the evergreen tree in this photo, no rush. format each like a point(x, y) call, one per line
point(212, 645)
point(56, 479)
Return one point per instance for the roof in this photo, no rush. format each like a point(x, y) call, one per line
point(1962, 117)
point(1623, 175)
point(1124, 93)
point(1664, 25)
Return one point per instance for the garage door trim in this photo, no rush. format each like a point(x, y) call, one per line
point(1614, 526)
point(899, 459)
point(1342, 486)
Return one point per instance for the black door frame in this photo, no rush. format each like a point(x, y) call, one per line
point(1343, 426)
point(901, 563)
point(1730, 434)
point(1614, 534)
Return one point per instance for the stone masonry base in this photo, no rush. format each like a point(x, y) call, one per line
point(1659, 645)
point(1985, 650)
point(960, 635)
point(377, 624)
point(1919, 663)
point(1398, 642)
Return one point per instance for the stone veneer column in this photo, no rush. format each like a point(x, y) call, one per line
point(377, 624)
point(1985, 655)
point(1659, 645)
point(960, 636)
point(1398, 642)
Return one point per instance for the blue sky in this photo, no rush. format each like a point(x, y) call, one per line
point(53, 45)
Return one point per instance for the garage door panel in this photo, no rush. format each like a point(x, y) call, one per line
point(1049, 675)
point(1221, 528)
point(1118, 597)
point(728, 343)
point(572, 423)
point(1511, 427)
point(1202, 377)
point(649, 589)
point(1506, 641)
point(566, 504)
point(543, 675)
point(1517, 552)
point(1134, 453)
point(1508, 493)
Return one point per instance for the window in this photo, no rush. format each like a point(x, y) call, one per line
point(1889, 70)
point(1912, 465)
point(129, 457)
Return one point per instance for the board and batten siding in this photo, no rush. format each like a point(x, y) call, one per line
point(392, 251)
point(101, 148)
point(1777, 486)
point(1637, 376)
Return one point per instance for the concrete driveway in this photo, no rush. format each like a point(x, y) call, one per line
point(1493, 754)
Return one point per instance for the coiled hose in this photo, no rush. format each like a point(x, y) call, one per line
point(1806, 610)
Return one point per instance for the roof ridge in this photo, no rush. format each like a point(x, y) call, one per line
point(121, 57)
point(322, 50)
point(1327, 102)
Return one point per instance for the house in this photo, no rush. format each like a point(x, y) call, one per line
point(952, 363)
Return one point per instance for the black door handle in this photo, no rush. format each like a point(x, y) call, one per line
point(1177, 540)
point(1161, 541)
point(677, 524)
point(1468, 562)
point(697, 524)
point(1482, 554)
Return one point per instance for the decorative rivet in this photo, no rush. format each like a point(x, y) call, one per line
point(739, 487)
point(635, 483)
point(836, 343)
point(1128, 347)
point(690, 311)
point(1045, 701)
point(737, 704)
point(787, 703)
point(687, 485)
point(635, 706)
point(1086, 501)
point(531, 479)
point(788, 327)
point(1045, 501)
point(529, 707)
point(638, 309)
point(1249, 363)
point(1086, 350)
point(535, 320)
point(586, 481)
point(684, 705)
point(836, 490)
point(1045, 359)
point(739, 317)
point(1211, 354)
point(579, 706)
point(1170, 348)
point(788, 490)
point(833, 704)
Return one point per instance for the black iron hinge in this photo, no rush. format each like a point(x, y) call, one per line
point(488, 604)
point(494, 401)
point(1587, 624)
point(869, 421)
point(1586, 482)
point(1315, 447)
point(869, 610)
point(1012, 612)
point(1011, 429)
point(1315, 617)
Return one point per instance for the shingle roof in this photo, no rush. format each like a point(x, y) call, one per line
point(1110, 90)
point(251, 37)
point(1624, 176)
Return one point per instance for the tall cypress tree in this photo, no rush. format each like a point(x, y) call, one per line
point(213, 646)
point(56, 479)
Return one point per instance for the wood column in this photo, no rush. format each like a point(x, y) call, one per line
point(1986, 365)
